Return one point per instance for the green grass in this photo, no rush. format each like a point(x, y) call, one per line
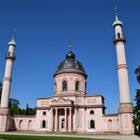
point(19, 137)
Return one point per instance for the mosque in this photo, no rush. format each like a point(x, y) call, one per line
point(71, 109)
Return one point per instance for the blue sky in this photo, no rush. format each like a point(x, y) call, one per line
point(43, 30)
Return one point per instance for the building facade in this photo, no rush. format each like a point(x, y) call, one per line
point(71, 109)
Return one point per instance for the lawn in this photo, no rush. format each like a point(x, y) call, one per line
point(17, 137)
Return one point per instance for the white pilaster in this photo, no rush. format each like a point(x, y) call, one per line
point(56, 120)
point(70, 121)
point(66, 119)
point(51, 120)
point(74, 120)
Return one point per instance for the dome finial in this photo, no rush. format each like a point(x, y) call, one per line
point(13, 34)
point(12, 42)
point(70, 46)
point(115, 11)
point(117, 21)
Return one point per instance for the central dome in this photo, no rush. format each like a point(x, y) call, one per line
point(69, 64)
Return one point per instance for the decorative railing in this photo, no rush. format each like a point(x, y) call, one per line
point(119, 38)
point(9, 56)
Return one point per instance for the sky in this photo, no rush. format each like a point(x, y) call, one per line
point(43, 31)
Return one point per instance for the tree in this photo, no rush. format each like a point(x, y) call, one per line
point(14, 106)
point(27, 110)
point(137, 72)
point(30, 111)
point(13, 103)
point(136, 120)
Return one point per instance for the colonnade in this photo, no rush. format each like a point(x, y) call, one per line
point(62, 115)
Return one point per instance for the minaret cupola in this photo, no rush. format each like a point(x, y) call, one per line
point(117, 21)
point(117, 25)
point(12, 42)
point(12, 45)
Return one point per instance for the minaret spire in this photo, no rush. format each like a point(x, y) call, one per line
point(12, 42)
point(117, 21)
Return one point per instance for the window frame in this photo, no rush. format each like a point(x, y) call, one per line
point(92, 124)
point(92, 112)
point(43, 124)
point(77, 85)
point(44, 113)
point(64, 85)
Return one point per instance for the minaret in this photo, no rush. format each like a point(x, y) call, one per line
point(4, 110)
point(125, 108)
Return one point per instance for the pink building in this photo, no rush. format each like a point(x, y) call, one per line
point(71, 109)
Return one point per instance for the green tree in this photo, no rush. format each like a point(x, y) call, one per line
point(14, 106)
point(136, 120)
point(137, 72)
point(27, 110)
point(30, 111)
point(13, 103)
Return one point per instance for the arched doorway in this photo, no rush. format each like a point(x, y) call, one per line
point(21, 125)
point(109, 123)
point(117, 123)
point(30, 125)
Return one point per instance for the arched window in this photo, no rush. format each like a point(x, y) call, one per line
point(43, 124)
point(55, 87)
point(64, 86)
point(119, 35)
point(91, 112)
point(92, 124)
point(85, 86)
point(77, 85)
point(44, 113)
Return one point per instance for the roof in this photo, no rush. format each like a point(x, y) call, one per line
point(111, 115)
point(12, 42)
point(117, 22)
point(70, 63)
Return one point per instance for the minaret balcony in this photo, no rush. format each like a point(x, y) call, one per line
point(119, 38)
point(12, 57)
